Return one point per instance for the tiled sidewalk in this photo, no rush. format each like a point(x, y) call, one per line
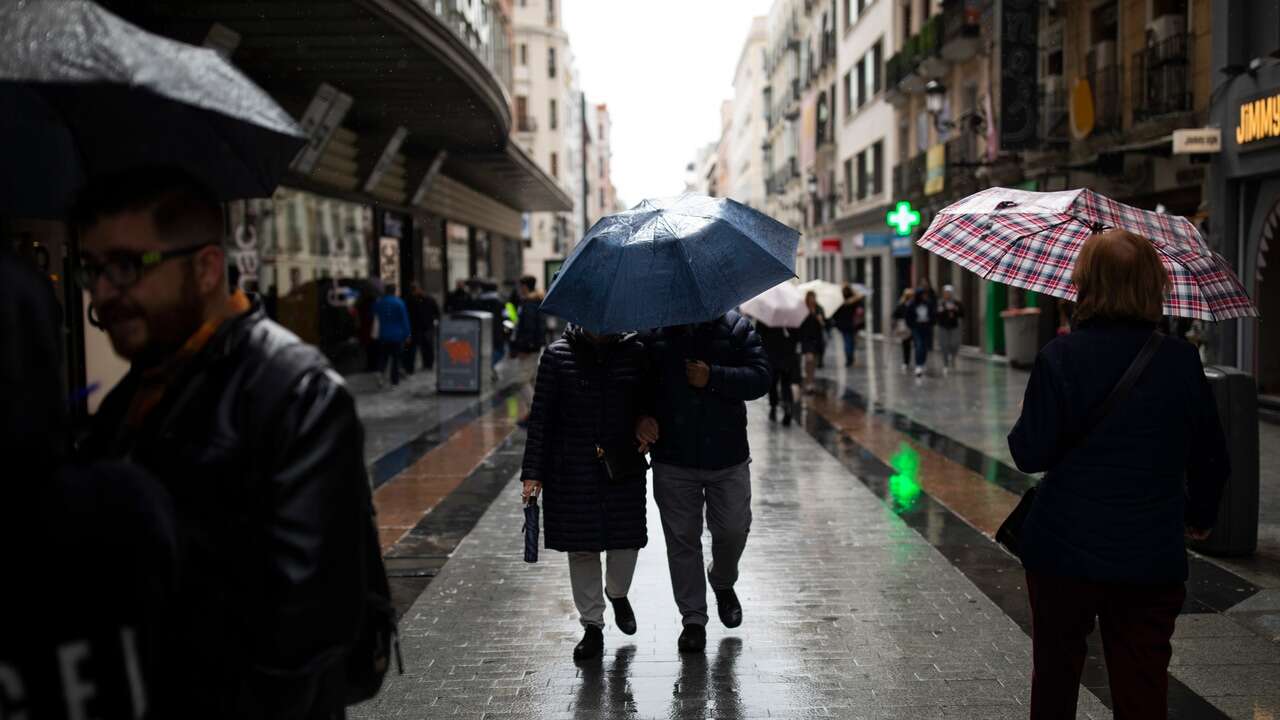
point(850, 613)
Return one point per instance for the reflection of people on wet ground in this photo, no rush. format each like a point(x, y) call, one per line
point(104, 529)
point(581, 450)
point(702, 691)
point(702, 376)
point(606, 693)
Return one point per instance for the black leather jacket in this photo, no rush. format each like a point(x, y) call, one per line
point(258, 442)
point(706, 428)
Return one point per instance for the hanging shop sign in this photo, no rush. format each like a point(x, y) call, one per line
point(935, 175)
point(831, 245)
point(1258, 122)
point(903, 219)
point(323, 117)
point(387, 158)
point(1197, 140)
point(1019, 86)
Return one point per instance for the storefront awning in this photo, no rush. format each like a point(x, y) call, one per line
point(402, 65)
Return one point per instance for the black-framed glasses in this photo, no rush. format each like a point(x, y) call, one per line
point(123, 269)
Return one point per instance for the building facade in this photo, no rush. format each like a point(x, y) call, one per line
point(747, 127)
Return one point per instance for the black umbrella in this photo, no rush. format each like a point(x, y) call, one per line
point(531, 530)
point(83, 93)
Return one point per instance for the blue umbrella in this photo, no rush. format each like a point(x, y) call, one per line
point(673, 261)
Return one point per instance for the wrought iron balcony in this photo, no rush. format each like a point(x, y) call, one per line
point(1161, 78)
point(1105, 83)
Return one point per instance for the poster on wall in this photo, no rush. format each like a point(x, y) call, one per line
point(389, 260)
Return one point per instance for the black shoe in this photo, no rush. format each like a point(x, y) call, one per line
point(623, 616)
point(786, 420)
point(729, 607)
point(773, 414)
point(693, 639)
point(592, 645)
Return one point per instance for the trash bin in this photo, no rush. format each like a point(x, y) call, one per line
point(1021, 336)
point(1236, 532)
point(464, 358)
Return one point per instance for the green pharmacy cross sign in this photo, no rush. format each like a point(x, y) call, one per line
point(903, 219)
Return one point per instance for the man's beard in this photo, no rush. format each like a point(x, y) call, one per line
point(168, 328)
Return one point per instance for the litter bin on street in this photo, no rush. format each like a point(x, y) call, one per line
point(1236, 532)
point(1021, 336)
point(465, 352)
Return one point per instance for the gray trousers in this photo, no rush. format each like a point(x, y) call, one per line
point(584, 577)
point(682, 493)
point(949, 339)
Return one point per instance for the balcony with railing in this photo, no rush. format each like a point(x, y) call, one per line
point(908, 178)
point(1161, 78)
point(1105, 83)
point(1055, 114)
point(921, 58)
point(963, 157)
point(961, 29)
point(788, 172)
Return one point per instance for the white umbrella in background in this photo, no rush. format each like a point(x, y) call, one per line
point(830, 295)
point(779, 306)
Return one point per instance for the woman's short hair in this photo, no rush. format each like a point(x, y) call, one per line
point(1119, 276)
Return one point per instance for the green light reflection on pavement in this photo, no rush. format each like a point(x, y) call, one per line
point(904, 484)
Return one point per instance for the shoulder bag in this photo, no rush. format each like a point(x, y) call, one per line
point(1010, 533)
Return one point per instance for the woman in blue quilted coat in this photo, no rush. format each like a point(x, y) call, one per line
point(581, 450)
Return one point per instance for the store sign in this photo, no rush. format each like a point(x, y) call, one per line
point(831, 245)
point(1258, 122)
point(901, 247)
point(1197, 140)
point(935, 176)
point(1019, 86)
point(389, 260)
point(387, 158)
point(902, 218)
point(323, 116)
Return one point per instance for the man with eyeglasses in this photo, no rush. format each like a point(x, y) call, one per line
point(256, 439)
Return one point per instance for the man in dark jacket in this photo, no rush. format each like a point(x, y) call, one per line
point(531, 329)
point(423, 314)
point(257, 441)
point(702, 376)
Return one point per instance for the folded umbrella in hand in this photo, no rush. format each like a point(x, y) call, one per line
point(531, 530)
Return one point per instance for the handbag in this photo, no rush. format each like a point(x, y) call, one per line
point(531, 530)
point(1010, 533)
point(622, 465)
point(900, 330)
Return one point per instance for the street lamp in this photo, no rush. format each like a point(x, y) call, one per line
point(935, 98)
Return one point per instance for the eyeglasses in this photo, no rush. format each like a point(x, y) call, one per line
point(123, 269)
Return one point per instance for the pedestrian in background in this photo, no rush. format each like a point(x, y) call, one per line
point(849, 319)
point(950, 311)
point(812, 340)
point(921, 317)
point(701, 378)
point(781, 347)
point(1104, 538)
point(257, 442)
point(902, 328)
point(423, 315)
point(531, 328)
point(581, 450)
point(458, 298)
point(392, 324)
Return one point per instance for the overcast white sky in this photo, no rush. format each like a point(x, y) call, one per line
point(663, 66)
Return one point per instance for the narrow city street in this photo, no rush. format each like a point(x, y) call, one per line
point(870, 586)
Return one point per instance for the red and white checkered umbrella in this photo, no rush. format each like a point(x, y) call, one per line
point(1030, 240)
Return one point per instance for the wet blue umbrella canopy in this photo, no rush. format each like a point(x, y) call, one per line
point(671, 261)
point(84, 93)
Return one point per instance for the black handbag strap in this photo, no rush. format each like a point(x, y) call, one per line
point(1122, 387)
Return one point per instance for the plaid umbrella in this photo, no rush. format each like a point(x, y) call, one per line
point(1030, 240)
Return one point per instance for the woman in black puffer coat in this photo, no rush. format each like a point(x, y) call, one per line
point(581, 431)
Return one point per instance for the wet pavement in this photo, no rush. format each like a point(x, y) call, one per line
point(870, 584)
